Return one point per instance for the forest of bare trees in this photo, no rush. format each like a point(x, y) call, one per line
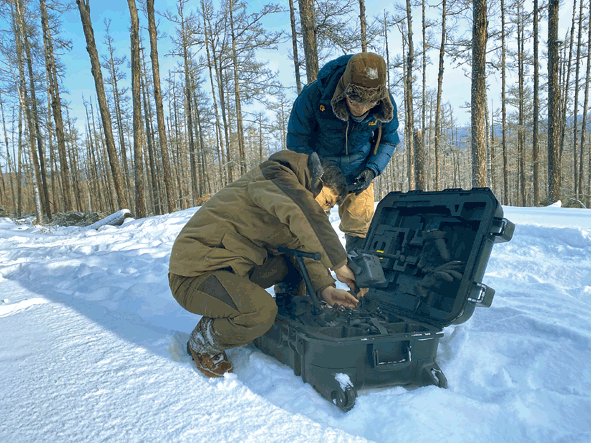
point(158, 140)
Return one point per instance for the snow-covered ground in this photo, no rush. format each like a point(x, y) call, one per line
point(92, 348)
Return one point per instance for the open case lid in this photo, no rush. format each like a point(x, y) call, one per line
point(400, 234)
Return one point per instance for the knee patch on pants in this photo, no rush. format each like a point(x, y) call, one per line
point(356, 213)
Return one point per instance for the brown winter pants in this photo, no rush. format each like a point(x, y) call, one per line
point(356, 213)
point(241, 308)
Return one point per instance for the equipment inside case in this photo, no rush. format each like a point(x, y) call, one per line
point(391, 338)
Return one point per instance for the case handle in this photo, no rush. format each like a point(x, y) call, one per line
point(392, 365)
point(481, 294)
point(506, 232)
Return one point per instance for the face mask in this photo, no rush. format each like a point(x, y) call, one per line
point(359, 119)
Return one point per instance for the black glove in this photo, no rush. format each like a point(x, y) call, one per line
point(435, 252)
point(435, 278)
point(363, 181)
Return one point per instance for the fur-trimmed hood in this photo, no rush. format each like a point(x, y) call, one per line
point(363, 80)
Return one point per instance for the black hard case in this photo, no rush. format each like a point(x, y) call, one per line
point(396, 344)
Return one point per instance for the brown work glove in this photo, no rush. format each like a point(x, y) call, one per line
point(434, 279)
point(435, 252)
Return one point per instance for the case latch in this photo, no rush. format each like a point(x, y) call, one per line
point(481, 294)
point(506, 231)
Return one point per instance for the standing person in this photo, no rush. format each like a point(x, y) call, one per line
point(227, 253)
point(348, 116)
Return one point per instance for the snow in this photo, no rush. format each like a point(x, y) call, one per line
point(92, 349)
point(343, 380)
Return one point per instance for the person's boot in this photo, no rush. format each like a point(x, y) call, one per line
point(210, 359)
point(352, 243)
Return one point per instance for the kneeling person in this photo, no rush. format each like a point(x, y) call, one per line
point(227, 253)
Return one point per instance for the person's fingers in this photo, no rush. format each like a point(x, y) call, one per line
point(344, 273)
point(351, 302)
point(362, 292)
point(422, 291)
point(442, 248)
point(456, 274)
point(346, 299)
point(443, 275)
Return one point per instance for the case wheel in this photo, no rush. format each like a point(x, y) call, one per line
point(433, 375)
point(345, 400)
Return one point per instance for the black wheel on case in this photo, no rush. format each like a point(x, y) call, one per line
point(441, 379)
point(433, 375)
point(345, 400)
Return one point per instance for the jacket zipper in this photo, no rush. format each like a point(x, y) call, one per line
point(347, 137)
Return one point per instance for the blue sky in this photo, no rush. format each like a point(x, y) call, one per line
point(80, 83)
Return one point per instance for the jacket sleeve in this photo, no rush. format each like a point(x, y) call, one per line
point(285, 198)
point(302, 121)
point(388, 142)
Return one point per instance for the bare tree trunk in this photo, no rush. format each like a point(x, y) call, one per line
point(11, 171)
point(168, 184)
point(521, 118)
point(19, 186)
point(536, 147)
point(567, 67)
point(198, 149)
point(308, 23)
point(74, 164)
point(576, 106)
point(491, 153)
point(239, 127)
point(409, 98)
point(294, 43)
point(478, 116)
point(424, 92)
point(363, 25)
point(420, 159)
point(386, 48)
point(553, 104)
point(585, 108)
point(438, 105)
point(109, 193)
point(84, 7)
point(24, 102)
point(93, 181)
point(140, 185)
point(52, 160)
point(504, 108)
point(156, 205)
point(44, 192)
point(220, 150)
point(204, 175)
point(221, 88)
point(57, 107)
point(112, 68)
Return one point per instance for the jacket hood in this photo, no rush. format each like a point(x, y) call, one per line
point(363, 80)
point(307, 168)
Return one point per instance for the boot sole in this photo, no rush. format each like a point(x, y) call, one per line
point(203, 370)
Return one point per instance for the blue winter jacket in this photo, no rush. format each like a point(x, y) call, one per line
point(314, 127)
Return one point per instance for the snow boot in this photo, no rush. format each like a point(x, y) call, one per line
point(210, 360)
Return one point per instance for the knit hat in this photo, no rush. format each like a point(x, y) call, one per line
point(363, 81)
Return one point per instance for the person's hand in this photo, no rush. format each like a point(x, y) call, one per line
point(435, 278)
point(362, 292)
point(345, 275)
point(332, 295)
point(363, 181)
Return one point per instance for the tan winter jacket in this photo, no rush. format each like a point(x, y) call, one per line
point(243, 224)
